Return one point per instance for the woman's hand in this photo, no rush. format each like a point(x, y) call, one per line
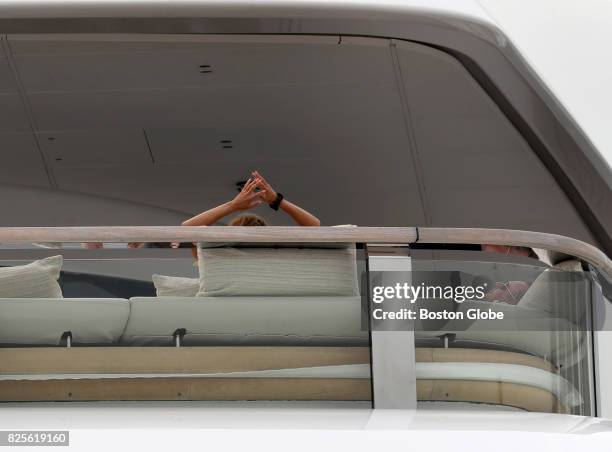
point(509, 292)
point(248, 197)
point(270, 194)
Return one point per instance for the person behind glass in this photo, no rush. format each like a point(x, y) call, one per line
point(255, 192)
point(509, 292)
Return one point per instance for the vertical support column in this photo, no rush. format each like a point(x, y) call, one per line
point(393, 352)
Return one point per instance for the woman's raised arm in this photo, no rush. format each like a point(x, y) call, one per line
point(301, 216)
point(246, 199)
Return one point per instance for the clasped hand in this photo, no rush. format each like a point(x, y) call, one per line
point(254, 193)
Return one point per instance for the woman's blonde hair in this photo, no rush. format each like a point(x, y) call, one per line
point(248, 219)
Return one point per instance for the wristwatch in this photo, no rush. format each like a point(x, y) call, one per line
point(277, 202)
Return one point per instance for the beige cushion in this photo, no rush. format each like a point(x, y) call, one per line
point(277, 272)
point(35, 280)
point(175, 286)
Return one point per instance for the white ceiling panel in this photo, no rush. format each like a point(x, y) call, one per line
point(145, 184)
point(201, 145)
point(21, 162)
point(96, 148)
point(12, 114)
point(69, 66)
point(371, 139)
point(34, 206)
point(117, 43)
point(7, 82)
point(236, 106)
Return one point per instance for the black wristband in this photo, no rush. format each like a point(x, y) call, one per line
point(277, 202)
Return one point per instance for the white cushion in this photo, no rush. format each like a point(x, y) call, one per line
point(278, 272)
point(247, 321)
point(35, 280)
point(175, 286)
point(40, 321)
point(550, 292)
point(569, 265)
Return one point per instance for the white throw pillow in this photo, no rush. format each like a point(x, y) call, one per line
point(175, 286)
point(569, 265)
point(35, 280)
point(277, 271)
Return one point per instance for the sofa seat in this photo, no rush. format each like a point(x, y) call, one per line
point(523, 329)
point(43, 321)
point(246, 321)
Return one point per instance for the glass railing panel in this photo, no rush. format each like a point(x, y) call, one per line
point(151, 322)
point(493, 330)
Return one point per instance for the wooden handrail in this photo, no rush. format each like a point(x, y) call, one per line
point(551, 242)
point(211, 234)
point(326, 234)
